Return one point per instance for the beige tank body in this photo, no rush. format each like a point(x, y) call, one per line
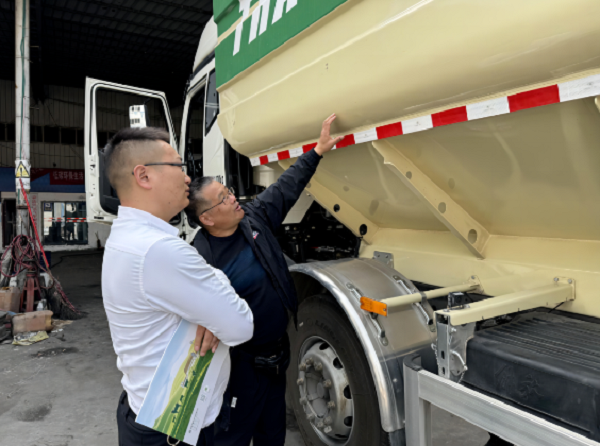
point(512, 199)
point(373, 61)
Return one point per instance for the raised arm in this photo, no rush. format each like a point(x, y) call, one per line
point(178, 280)
point(275, 202)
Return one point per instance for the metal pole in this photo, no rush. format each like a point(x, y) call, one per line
point(418, 411)
point(382, 306)
point(408, 299)
point(22, 84)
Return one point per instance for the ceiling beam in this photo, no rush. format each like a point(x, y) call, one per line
point(92, 43)
point(162, 17)
point(66, 30)
point(178, 5)
point(48, 12)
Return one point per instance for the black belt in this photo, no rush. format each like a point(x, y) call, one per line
point(271, 359)
point(127, 412)
point(125, 402)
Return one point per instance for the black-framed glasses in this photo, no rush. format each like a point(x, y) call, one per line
point(230, 192)
point(182, 165)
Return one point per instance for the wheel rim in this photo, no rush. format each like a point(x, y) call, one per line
point(325, 391)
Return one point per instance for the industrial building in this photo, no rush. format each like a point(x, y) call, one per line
point(67, 43)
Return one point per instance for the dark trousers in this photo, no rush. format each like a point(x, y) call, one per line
point(134, 434)
point(258, 411)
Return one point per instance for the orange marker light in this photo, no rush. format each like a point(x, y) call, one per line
point(373, 306)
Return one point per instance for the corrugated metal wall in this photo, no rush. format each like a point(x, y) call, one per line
point(57, 124)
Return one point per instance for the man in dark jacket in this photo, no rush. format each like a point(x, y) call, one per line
point(240, 241)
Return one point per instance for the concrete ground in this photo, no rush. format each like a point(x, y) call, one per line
point(63, 391)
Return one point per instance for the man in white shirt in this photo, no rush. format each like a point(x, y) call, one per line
point(152, 279)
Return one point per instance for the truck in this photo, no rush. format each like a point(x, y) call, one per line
point(447, 252)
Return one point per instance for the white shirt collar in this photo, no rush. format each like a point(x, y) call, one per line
point(127, 213)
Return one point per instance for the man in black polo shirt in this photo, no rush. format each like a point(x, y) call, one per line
point(239, 240)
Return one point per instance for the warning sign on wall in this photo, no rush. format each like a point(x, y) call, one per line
point(22, 174)
point(23, 169)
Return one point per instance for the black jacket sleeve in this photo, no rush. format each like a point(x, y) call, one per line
point(273, 204)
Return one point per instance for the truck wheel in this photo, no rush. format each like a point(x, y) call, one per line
point(329, 379)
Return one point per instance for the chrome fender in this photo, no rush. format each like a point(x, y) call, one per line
point(385, 340)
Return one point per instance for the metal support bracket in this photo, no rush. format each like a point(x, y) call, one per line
point(422, 389)
point(472, 284)
point(560, 289)
point(346, 214)
point(451, 348)
point(456, 325)
point(387, 258)
point(469, 231)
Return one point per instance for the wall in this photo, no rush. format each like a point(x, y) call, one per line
point(63, 110)
point(57, 124)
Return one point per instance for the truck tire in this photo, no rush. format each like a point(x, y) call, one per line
point(328, 366)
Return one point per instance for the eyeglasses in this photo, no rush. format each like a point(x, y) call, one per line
point(182, 165)
point(230, 192)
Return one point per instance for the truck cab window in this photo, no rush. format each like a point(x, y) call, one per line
point(212, 102)
point(193, 135)
point(112, 114)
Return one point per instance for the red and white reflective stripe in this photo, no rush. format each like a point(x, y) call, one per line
point(563, 92)
point(66, 219)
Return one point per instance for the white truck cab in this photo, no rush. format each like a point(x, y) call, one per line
point(201, 145)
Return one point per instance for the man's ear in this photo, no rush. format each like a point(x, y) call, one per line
point(205, 220)
point(140, 174)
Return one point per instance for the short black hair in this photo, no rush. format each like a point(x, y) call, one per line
point(197, 201)
point(115, 152)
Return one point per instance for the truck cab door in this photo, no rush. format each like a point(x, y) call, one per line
point(214, 153)
point(192, 134)
point(201, 140)
point(107, 110)
point(220, 160)
point(205, 151)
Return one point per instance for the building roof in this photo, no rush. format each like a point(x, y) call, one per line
point(145, 43)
